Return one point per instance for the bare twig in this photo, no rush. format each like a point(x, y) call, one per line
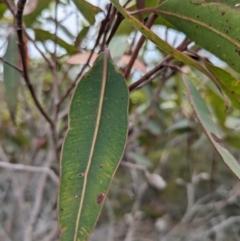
point(13, 66)
point(134, 166)
point(54, 232)
point(38, 199)
point(100, 33)
point(160, 66)
point(19, 28)
point(50, 64)
point(149, 23)
point(22, 167)
point(11, 6)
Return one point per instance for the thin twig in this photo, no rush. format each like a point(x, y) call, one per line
point(50, 64)
point(13, 66)
point(100, 33)
point(38, 198)
point(53, 233)
point(22, 167)
point(168, 58)
point(19, 28)
point(149, 23)
point(11, 6)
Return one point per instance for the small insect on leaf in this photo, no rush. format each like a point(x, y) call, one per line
point(100, 198)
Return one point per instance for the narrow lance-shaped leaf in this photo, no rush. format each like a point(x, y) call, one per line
point(213, 26)
point(10, 75)
point(161, 44)
point(87, 9)
point(43, 35)
point(92, 149)
point(209, 126)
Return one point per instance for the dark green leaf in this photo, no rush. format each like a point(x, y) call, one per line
point(92, 149)
point(213, 26)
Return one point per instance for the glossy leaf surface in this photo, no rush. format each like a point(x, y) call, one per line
point(210, 128)
point(213, 26)
point(92, 149)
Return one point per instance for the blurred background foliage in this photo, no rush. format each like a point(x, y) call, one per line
point(194, 197)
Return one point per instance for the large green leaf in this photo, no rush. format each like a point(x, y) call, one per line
point(10, 75)
point(164, 46)
point(87, 9)
point(92, 149)
point(209, 126)
point(213, 26)
point(43, 35)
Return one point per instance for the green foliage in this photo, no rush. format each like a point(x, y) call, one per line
point(181, 128)
point(92, 149)
point(211, 25)
point(11, 77)
point(209, 127)
point(88, 10)
point(43, 35)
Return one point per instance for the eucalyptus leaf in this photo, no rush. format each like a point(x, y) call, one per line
point(93, 147)
point(209, 127)
point(213, 26)
point(87, 9)
point(43, 35)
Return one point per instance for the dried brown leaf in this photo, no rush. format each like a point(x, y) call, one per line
point(81, 58)
point(138, 64)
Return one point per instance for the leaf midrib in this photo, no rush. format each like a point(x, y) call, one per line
point(104, 80)
point(192, 20)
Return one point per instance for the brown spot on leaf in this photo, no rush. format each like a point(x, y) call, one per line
point(100, 198)
point(101, 165)
point(223, 12)
point(238, 51)
point(81, 174)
